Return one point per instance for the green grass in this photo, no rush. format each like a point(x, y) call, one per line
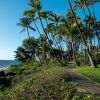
point(92, 73)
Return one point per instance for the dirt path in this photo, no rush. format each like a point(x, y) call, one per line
point(86, 83)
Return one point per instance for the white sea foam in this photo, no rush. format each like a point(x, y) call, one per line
point(3, 68)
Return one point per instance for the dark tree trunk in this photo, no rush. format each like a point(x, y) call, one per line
point(89, 54)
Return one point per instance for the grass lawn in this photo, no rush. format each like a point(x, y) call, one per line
point(92, 73)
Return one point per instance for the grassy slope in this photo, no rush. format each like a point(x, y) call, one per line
point(33, 81)
point(93, 73)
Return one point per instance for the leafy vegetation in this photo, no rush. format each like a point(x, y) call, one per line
point(35, 81)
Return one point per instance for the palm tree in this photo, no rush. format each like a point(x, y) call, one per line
point(92, 25)
point(43, 49)
point(92, 2)
point(56, 34)
point(36, 8)
point(70, 31)
point(26, 51)
point(85, 3)
point(31, 14)
point(78, 27)
point(80, 4)
point(25, 23)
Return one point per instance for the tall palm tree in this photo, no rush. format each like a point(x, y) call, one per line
point(27, 50)
point(92, 2)
point(31, 14)
point(86, 3)
point(55, 23)
point(69, 32)
point(78, 27)
point(93, 21)
point(80, 4)
point(25, 23)
point(36, 8)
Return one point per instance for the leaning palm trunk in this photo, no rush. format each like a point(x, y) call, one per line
point(93, 8)
point(84, 12)
point(74, 56)
point(94, 17)
point(55, 40)
point(89, 54)
point(47, 38)
point(87, 8)
point(28, 33)
point(98, 36)
point(90, 42)
point(57, 47)
point(37, 27)
point(56, 43)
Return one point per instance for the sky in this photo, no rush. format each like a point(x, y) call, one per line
point(10, 13)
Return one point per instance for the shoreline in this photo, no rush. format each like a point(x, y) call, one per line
point(4, 67)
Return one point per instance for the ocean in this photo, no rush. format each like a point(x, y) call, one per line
point(6, 63)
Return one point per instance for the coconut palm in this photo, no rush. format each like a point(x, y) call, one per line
point(55, 22)
point(92, 2)
point(43, 49)
point(80, 4)
point(78, 27)
point(91, 24)
point(70, 32)
point(27, 51)
point(84, 4)
point(36, 8)
point(31, 14)
point(25, 23)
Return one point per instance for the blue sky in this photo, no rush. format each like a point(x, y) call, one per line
point(10, 13)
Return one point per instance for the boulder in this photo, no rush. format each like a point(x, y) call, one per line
point(2, 73)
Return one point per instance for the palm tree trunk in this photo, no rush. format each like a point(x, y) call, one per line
point(37, 28)
point(93, 8)
point(56, 43)
point(28, 33)
point(90, 42)
point(94, 17)
point(87, 8)
point(39, 58)
point(48, 39)
point(94, 40)
point(89, 54)
point(97, 34)
point(98, 46)
point(74, 56)
point(84, 12)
